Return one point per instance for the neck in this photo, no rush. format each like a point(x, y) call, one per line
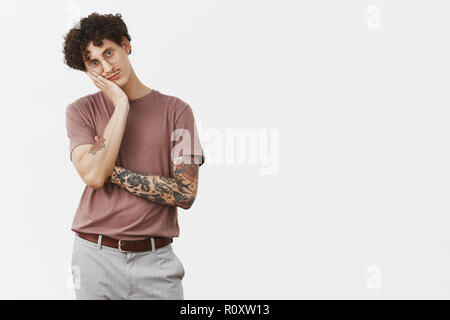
point(134, 88)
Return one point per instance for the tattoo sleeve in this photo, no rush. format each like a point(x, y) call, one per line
point(178, 191)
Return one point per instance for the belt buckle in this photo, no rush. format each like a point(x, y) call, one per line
point(120, 247)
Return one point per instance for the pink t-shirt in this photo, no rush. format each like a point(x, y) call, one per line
point(149, 138)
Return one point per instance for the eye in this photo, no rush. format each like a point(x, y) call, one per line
point(107, 53)
point(92, 63)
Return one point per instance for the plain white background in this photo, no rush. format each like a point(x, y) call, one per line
point(354, 95)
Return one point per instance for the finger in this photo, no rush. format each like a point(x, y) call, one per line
point(102, 79)
point(92, 76)
point(96, 80)
point(97, 77)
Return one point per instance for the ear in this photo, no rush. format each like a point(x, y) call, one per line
point(125, 44)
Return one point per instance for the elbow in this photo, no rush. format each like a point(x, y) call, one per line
point(187, 204)
point(96, 186)
point(184, 206)
point(93, 182)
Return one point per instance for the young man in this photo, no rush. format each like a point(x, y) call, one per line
point(138, 152)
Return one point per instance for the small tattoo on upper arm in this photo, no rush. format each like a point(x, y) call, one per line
point(98, 145)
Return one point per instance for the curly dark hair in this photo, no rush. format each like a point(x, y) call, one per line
point(95, 28)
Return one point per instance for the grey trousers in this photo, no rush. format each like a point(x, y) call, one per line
point(101, 272)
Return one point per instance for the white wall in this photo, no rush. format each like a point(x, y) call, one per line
point(353, 94)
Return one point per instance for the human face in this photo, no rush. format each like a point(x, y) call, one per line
point(110, 60)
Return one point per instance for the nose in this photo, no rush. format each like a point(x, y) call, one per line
point(107, 67)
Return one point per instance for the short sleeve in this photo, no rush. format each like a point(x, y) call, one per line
point(78, 128)
point(185, 137)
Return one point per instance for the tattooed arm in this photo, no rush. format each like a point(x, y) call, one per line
point(94, 162)
point(179, 191)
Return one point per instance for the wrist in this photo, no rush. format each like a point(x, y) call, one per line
point(122, 104)
point(111, 176)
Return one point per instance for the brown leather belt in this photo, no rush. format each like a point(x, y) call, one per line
point(127, 245)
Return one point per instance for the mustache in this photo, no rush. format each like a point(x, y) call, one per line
point(112, 74)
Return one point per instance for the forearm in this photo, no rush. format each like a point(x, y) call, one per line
point(105, 150)
point(155, 188)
